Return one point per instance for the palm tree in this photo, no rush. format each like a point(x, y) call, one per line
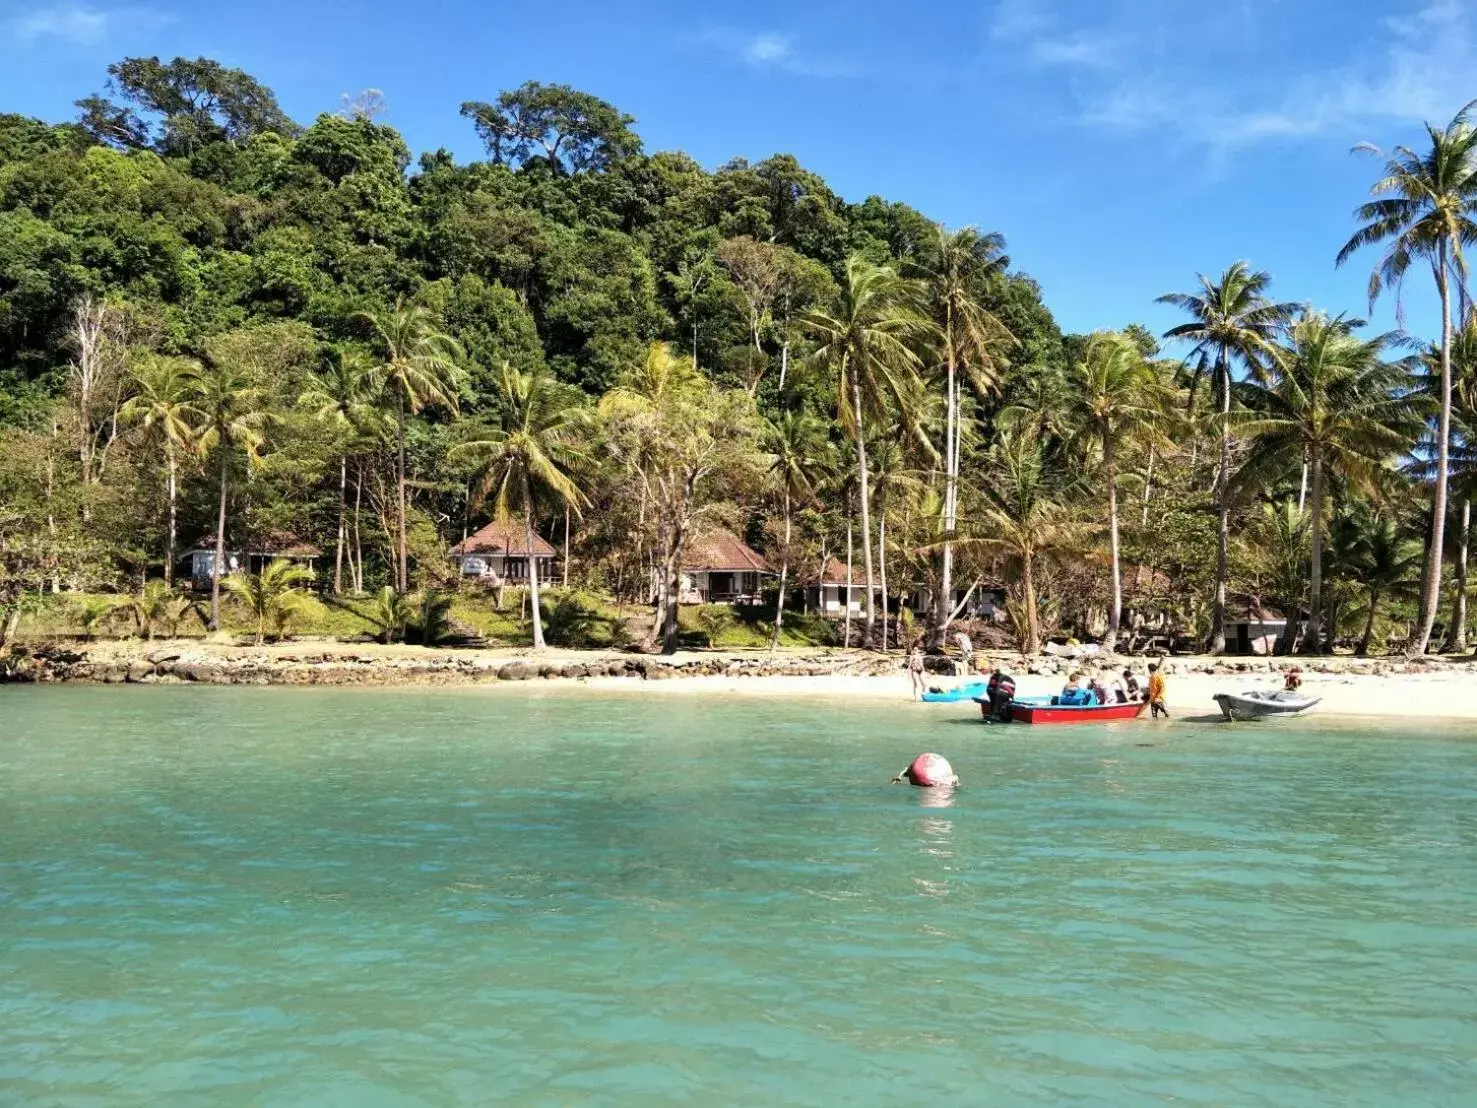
point(151, 606)
point(1338, 404)
point(531, 447)
point(1118, 398)
point(1423, 209)
point(1231, 320)
point(95, 613)
point(1388, 564)
point(1023, 517)
point(344, 398)
point(969, 337)
point(272, 597)
point(796, 439)
point(420, 370)
point(868, 341)
point(230, 407)
point(1277, 542)
point(1463, 462)
point(161, 405)
point(389, 612)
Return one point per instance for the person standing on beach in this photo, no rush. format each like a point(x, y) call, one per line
point(1156, 693)
point(966, 652)
point(915, 670)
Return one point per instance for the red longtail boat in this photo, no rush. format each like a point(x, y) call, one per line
point(1042, 710)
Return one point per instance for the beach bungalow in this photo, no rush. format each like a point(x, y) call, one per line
point(833, 596)
point(1255, 631)
point(498, 554)
point(720, 568)
point(199, 559)
point(986, 602)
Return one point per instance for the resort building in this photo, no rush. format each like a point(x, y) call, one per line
point(834, 595)
point(499, 554)
point(720, 568)
point(200, 565)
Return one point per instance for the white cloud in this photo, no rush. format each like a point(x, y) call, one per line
point(78, 24)
point(772, 50)
point(1085, 50)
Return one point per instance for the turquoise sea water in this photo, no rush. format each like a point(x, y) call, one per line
point(363, 898)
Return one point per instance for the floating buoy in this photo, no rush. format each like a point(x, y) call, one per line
point(929, 771)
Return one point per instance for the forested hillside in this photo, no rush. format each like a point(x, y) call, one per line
point(219, 325)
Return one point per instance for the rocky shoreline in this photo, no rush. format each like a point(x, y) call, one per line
point(116, 663)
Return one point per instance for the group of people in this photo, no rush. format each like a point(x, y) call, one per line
point(1125, 691)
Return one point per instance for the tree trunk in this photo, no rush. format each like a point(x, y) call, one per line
point(220, 539)
point(566, 546)
point(533, 605)
point(1456, 635)
point(357, 563)
point(865, 480)
point(1431, 577)
point(882, 566)
point(169, 538)
point(779, 600)
point(1374, 600)
point(1115, 613)
point(784, 362)
point(1033, 622)
point(1223, 530)
point(1148, 488)
point(1303, 486)
point(343, 525)
point(1313, 639)
point(402, 575)
point(846, 604)
point(944, 602)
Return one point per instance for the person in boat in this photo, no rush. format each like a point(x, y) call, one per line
point(1098, 689)
point(1073, 695)
point(1131, 686)
point(1001, 691)
point(1117, 694)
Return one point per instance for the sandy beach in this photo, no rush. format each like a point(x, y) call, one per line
point(1371, 687)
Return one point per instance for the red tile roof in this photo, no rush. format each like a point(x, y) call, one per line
point(507, 536)
point(834, 573)
point(723, 551)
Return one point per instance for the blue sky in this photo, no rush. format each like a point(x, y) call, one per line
point(1120, 145)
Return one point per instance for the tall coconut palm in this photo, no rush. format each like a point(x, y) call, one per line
point(531, 448)
point(232, 417)
point(1463, 462)
point(1336, 402)
point(420, 370)
point(1423, 208)
point(161, 405)
point(797, 442)
point(1231, 321)
point(1118, 399)
point(970, 341)
point(343, 397)
point(1023, 516)
point(868, 342)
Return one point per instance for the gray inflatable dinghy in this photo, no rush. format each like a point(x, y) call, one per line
point(1260, 702)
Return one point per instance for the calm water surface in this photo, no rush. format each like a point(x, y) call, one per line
point(364, 898)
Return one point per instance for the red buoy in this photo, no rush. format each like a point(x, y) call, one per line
point(929, 771)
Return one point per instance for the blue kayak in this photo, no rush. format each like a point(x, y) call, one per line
point(972, 691)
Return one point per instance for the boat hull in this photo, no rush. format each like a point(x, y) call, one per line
point(972, 691)
point(1044, 712)
point(1253, 705)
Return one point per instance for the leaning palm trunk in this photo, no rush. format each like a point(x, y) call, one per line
point(1456, 636)
point(1431, 576)
point(1115, 614)
point(1033, 622)
point(1313, 639)
point(1364, 639)
point(1223, 528)
point(533, 602)
point(943, 603)
point(865, 494)
point(779, 600)
point(882, 566)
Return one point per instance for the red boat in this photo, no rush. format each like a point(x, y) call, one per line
point(1041, 710)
